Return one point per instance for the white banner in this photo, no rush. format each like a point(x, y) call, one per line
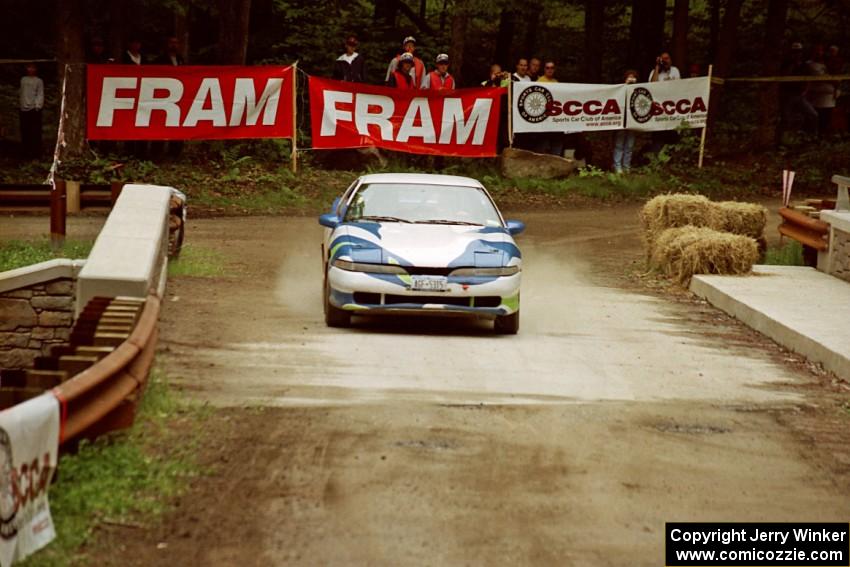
point(567, 107)
point(665, 105)
point(29, 447)
point(579, 107)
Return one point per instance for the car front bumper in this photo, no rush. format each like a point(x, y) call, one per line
point(375, 294)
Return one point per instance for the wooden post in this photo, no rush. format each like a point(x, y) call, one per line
point(295, 117)
point(57, 214)
point(115, 189)
point(705, 128)
point(510, 105)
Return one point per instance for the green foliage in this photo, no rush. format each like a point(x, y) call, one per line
point(790, 254)
point(20, 253)
point(197, 262)
point(125, 477)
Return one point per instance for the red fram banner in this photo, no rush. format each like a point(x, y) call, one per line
point(160, 102)
point(463, 122)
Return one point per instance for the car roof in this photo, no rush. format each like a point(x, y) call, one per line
point(421, 178)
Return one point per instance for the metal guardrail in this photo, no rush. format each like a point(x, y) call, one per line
point(804, 229)
point(104, 397)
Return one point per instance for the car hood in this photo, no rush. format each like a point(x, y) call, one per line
point(424, 245)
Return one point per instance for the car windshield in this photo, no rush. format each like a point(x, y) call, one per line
point(422, 203)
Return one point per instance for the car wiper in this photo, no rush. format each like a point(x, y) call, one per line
point(380, 218)
point(446, 221)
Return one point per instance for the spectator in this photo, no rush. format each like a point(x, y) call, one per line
point(548, 73)
point(417, 70)
point(534, 69)
point(133, 55)
point(793, 94)
point(497, 77)
point(624, 140)
point(835, 66)
point(521, 74)
point(821, 94)
point(32, 101)
point(97, 52)
point(439, 79)
point(350, 65)
point(664, 69)
point(695, 70)
point(171, 56)
point(401, 77)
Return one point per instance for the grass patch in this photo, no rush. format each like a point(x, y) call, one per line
point(790, 254)
point(127, 477)
point(197, 262)
point(20, 253)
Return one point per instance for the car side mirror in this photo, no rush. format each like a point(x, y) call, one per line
point(329, 220)
point(514, 227)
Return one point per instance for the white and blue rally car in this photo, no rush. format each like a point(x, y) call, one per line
point(419, 243)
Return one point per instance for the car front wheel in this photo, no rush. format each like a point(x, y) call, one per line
point(334, 316)
point(507, 324)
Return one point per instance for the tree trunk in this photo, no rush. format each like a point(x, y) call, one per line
point(532, 15)
point(725, 49)
point(504, 38)
point(777, 13)
point(234, 18)
point(70, 56)
point(647, 33)
point(680, 35)
point(181, 28)
point(594, 16)
point(423, 9)
point(116, 36)
point(713, 29)
point(460, 18)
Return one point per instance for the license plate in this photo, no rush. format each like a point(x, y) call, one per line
point(429, 283)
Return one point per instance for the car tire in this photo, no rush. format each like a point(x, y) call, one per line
point(507, 324)
point(334, 316)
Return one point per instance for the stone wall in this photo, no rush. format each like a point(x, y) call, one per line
point(840, 265)
point(34, 317)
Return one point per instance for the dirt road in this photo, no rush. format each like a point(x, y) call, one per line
point(430, 442)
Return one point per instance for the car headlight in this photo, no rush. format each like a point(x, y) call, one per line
point(504, 271)
point(370, 268)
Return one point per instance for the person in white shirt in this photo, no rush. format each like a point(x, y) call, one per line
point(664, 69)
point(32, 101)
point(521, 74)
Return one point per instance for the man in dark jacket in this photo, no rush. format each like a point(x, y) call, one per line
point(350, 65)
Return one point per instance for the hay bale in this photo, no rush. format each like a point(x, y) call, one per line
point(673, 211)
point(746, 219)
point(685, 251)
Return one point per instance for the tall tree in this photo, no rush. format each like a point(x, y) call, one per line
point(680, 34)
point(713, 28)
point(532, 13)
point(504, 37)
point(460, 20)
point(777, 13)
point(647, 32)
point(70, 56)
point(594, 16)
point(725, 49)
point(234, 18)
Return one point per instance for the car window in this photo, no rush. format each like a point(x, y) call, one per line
point(424, 203)
point(340, 208)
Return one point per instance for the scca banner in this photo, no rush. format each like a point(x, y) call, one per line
point(463, 122)
point(161, 102)
point(665, 105)
point(29, 448)
point(567, 107)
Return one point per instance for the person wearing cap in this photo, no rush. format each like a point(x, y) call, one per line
point(417, 71)
point(439, 79)
point(401, 77)
point(31, 104)
point(350, 65)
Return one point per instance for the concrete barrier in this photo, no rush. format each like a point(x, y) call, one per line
point(131, 252)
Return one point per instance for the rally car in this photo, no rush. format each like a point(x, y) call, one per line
point(419, 243)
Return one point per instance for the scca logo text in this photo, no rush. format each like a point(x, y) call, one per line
point(589, 107)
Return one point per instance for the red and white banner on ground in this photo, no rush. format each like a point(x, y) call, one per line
point(29, 448)
point(667, 105)
point(462, 122)
point(579, 107)
point(162, 102)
